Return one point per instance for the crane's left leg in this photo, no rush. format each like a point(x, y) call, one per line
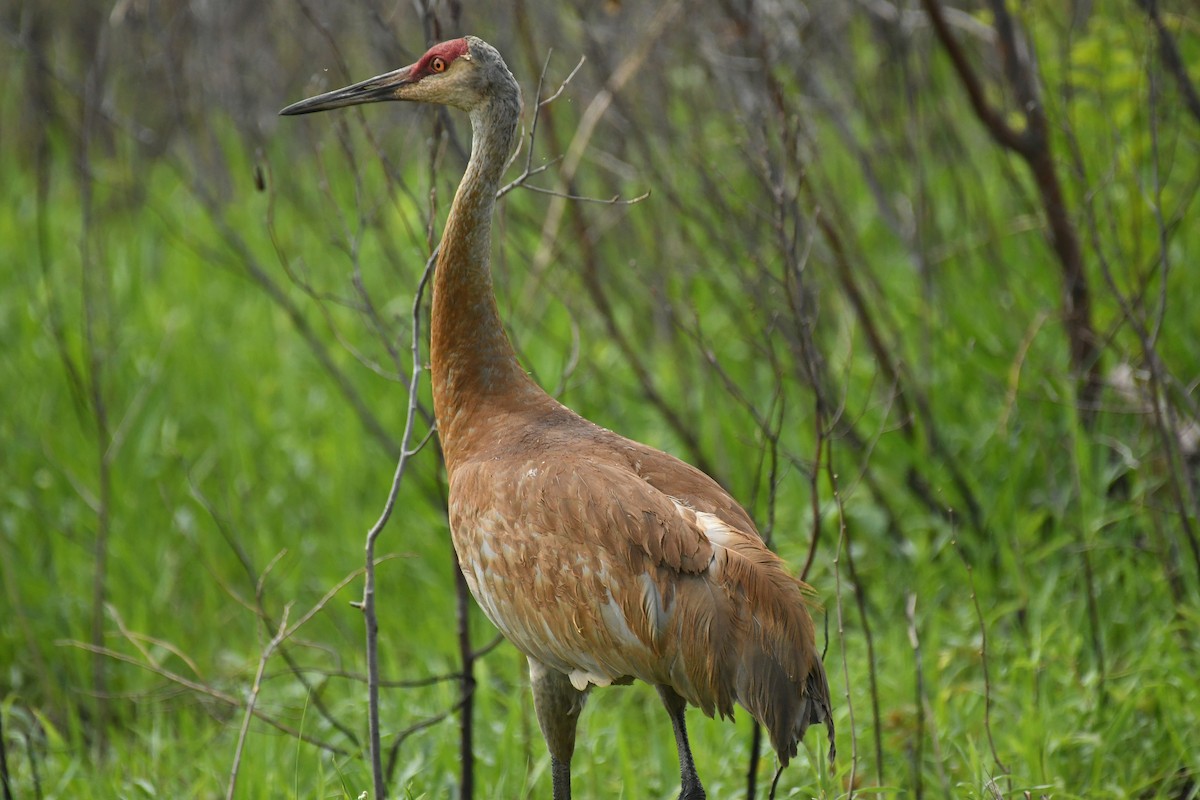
point(557, 703)
point(688, 779)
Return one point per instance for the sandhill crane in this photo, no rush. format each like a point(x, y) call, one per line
point(601, 559)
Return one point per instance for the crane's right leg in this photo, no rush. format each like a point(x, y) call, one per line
point(690, 787)
point(558, 704)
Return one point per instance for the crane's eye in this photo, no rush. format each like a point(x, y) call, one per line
point(438, 64)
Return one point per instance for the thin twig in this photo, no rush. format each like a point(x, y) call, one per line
point(814, 483)
point(260, 610)
point(1180, 481)
point(240, 258)
point(592, 115)
point(983, 656)
point(918, 739)
point(841, 622)
point(416, 727)
point(359, 677)
point(252, 701)
point(5, 780)
point(530, 170)
point(775, 780)
point(207, 691)
point(860, 598)
point(615, 200)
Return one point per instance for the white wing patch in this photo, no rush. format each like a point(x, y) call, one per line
point(718, 533)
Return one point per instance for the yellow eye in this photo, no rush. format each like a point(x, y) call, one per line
point(438, 64)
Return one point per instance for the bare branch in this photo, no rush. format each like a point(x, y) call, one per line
point(983, 655)
point(612, 201)
point(1034, 146)
point(1168, 51)
point(207, 691)
point(841, 623)
point(992, 118)
point(276, 640)
point(529, 170)
point(5, 778)
point(368, 601)
point(587, 128)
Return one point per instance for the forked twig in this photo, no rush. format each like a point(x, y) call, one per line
point(521, 181)
point(592, 115)
point(276, 640)
point(530, 170)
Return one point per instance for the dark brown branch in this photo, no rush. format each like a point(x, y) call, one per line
point(991, 117)
point(1180, 480)
point(5, 780)
point(243, 261)
point(1033, 145)
point(898, 377)
point(94, 284)
point(1172, 61)
point(417, 727)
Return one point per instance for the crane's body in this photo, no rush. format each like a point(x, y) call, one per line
point(601, 559)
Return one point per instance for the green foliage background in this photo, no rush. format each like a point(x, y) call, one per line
point(205, 314)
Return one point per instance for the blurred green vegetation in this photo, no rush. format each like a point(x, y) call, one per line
point(206, 316)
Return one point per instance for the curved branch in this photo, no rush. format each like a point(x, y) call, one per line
point(1034, 146)
point(1172, 61)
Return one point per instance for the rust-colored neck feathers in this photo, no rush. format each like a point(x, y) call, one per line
point(476, 374)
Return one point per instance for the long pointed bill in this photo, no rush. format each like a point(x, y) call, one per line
point(372, 90)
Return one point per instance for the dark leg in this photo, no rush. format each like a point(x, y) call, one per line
point(558, 704)
point(560, 772)
point(688, 779)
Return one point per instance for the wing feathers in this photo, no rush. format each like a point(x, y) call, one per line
point(591, 568)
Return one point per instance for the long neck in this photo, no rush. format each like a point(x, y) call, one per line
point(474, 367)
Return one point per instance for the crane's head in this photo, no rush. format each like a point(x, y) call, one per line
point(463, 73)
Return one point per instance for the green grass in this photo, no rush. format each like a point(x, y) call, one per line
point(239, 468)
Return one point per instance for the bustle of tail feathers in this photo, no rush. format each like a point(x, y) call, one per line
point(758, 645)
point(771, 697)
point(817, 707)
point(768, 683)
